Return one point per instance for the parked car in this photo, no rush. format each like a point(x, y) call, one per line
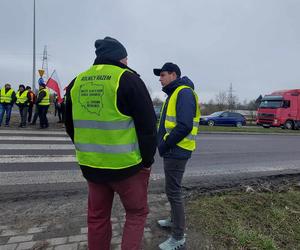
point(223, 118)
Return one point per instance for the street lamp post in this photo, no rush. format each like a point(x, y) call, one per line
point(33, 66)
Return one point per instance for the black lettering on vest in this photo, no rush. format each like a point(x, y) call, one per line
point(90, 97)
point(98, 78)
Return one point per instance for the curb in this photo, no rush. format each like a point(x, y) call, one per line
point(247, 133)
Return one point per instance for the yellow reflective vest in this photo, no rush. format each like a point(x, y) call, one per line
point(104, 138)
point(22, 98)
point(189, 142)
point(6, 97)
point(46, 100)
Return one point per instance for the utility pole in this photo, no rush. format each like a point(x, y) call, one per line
point(231, 99)
point(33, 59)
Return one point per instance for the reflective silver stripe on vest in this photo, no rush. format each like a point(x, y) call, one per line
point(103, 125)
point(111, 149)
point(173, 119)
point(190, 136)
point(170, 118)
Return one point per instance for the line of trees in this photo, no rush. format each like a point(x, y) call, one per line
point(228, 100)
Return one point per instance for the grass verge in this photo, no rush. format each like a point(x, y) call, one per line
point(249, 129)
point(237, 220)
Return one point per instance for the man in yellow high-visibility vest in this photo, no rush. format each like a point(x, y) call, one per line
point(177, 130)
point(43, 103)
point(23, 99)
point(7, 99)
point(112, 123)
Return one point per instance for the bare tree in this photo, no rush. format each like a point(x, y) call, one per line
point(208, 108)
point(157, 102)
point(221, 100)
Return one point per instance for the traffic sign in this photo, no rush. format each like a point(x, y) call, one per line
point(41, 72)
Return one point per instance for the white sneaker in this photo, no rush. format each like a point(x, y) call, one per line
point(172, 244)
point(165, 223)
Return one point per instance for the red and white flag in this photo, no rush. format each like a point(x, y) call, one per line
point(54, 84)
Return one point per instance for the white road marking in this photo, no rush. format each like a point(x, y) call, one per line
point(37, 146)
point(36, 158)
point(40, 177)
point(32, 132)
point(33, 138)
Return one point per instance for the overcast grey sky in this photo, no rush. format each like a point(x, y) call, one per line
point(255, 44)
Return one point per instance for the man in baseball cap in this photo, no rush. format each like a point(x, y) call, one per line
point(177, 131)
point(168, 67)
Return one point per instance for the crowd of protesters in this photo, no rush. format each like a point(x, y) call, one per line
point(32, 106)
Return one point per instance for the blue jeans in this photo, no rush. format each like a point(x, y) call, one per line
point(5, 108)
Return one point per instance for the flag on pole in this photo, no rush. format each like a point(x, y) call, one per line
point(54, 84)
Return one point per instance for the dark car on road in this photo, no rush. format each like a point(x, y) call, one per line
point(223, 118)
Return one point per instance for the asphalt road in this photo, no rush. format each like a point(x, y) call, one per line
point(41, 157)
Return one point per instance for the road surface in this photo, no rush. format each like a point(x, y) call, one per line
point(34, 157)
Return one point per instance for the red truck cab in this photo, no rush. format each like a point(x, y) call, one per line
point(280, 109)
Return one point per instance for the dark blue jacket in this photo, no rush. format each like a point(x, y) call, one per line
point(185, 112)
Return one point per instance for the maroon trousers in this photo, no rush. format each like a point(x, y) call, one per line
point(133, 195)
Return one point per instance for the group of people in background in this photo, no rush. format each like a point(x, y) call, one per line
point(26, 100)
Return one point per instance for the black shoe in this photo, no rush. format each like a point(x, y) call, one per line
point(6, 125)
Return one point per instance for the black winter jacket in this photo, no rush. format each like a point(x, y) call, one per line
point(133, 100)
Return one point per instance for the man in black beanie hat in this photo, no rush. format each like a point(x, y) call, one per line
point(110, 48)
point(111, 121)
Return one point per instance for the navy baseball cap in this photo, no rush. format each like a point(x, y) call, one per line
point(170, 67)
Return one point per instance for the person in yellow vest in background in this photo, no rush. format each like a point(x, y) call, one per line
point(111, 121)
point(43, 103)
point(177, 131)
point(23, 99)
point(7, 99)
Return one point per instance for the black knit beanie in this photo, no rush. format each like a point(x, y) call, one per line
point(110, 48)
point(22, 86)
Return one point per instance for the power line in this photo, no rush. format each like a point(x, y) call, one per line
point(45, 62)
